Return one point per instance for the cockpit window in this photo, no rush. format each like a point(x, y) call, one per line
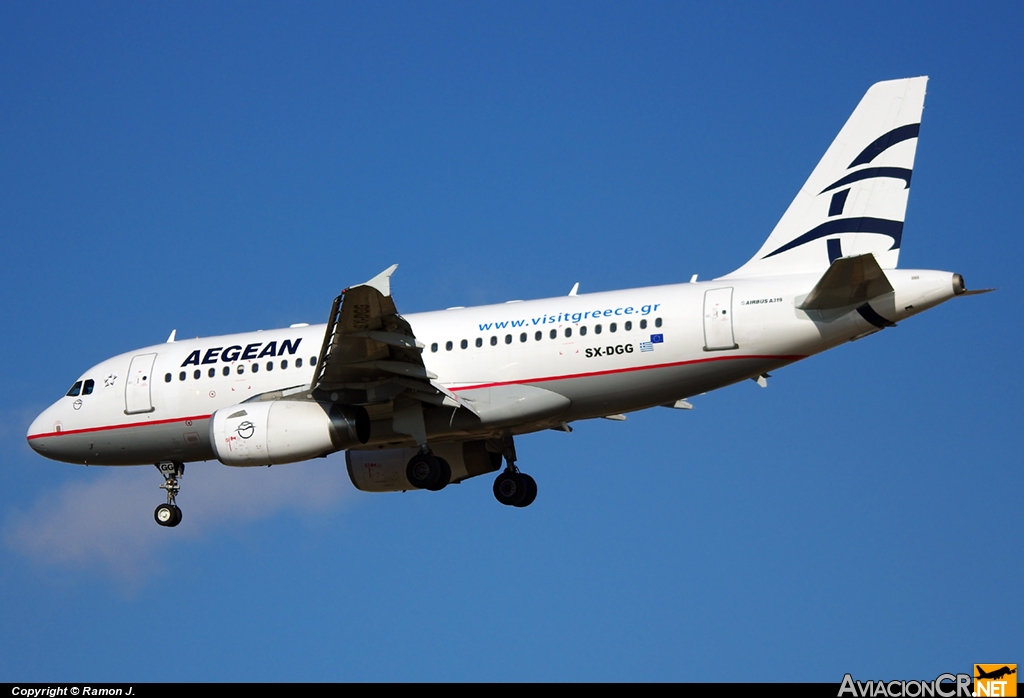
point(75, 389)
point(87, 387)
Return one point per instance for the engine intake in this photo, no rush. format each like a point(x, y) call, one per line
point(285, 431)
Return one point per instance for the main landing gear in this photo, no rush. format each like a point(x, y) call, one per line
point(513, 488)
point(169, 514)
point(428, 472)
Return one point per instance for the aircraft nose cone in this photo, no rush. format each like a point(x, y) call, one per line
point(38, 427)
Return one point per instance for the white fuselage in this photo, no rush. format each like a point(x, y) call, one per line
point(606, 353)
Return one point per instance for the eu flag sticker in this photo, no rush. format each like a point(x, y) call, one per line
point(657, 339)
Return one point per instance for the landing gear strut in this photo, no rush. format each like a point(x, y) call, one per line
point(169, 514)
point(428, 472)
point(512, 487)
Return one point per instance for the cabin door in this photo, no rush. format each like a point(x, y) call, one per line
point(137, 395)
point(718, 320)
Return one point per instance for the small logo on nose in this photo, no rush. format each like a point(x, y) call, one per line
point(77, 404)
point(245, 429)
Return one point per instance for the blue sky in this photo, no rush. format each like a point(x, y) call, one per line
point(228, 168)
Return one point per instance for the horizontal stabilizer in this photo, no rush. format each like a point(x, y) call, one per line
point(849, 281)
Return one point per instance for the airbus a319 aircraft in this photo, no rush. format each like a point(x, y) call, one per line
point(424, 400)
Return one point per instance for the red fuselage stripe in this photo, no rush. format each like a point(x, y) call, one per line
point(118, 426)
point(569, 376)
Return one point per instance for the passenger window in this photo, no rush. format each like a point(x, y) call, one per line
point(643, 324)
point(583, 331)
point(241, 369)
point(87, 387)
point(312, 361)
point(568, 332)
point(212, 372)
point(464, 344)
point(612, 327)
point(628, 326)
point(494, 341)
point(554, 333)
point(508, 339)
point(227, 370)
point(479, 342)
point(538, 336)
point(597, 329)
point(270, 365)
point(298, 363)
point(284, 363)
point(448, 346)
point(522, 337)
point(167, 379)
point(657, 322)
point(255, 368)
point(196, 374)
point(181, 376)
point(433, 348)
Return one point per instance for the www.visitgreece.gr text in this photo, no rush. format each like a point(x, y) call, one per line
point(572, 317)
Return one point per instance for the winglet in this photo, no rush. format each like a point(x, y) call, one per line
point(382, 282)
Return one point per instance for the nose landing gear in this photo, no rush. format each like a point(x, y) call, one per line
point(169, 514)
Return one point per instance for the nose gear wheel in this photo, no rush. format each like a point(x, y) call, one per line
point(169, 514)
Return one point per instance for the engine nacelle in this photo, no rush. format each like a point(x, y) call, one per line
point(383, 470)
point(285, 431)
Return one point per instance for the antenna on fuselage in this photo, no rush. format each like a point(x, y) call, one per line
point(575, 288)
point(170, 339)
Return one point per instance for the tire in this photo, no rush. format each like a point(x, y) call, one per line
point(165, 516)
point(509, 489)
point(444, 475)
point(423, 471)
point(177, 516)
point(530, 487)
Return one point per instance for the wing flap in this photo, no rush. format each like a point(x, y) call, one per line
point(370, 350)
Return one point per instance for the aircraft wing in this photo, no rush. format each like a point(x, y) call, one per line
point(370, 354)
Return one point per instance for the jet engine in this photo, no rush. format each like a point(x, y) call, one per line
point(383, 470)
point(285, 431)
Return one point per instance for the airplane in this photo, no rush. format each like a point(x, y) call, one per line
point(995, 674)
point(423, 400)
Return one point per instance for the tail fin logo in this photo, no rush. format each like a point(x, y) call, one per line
point(855, 200)
point(862, 224)
point(883, 143)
